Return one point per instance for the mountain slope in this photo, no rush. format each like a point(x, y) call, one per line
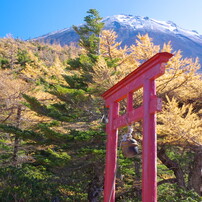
point(128, 27)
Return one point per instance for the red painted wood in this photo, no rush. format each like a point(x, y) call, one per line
point(135, 115)
point(149, 177)
point(136, 83)
point(129, 102)
point(152, 68)
point(110, 167)
point(144, 76)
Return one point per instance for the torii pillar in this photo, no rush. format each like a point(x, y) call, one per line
point(144, 76)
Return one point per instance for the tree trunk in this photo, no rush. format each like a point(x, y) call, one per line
point(195, 175)
point(95, 189)
point(137, 186)
point(17, 139)
point(172, 165)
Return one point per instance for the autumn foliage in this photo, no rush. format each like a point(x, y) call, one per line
point(51, 112)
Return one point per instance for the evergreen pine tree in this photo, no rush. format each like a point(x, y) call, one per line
point(90, 33)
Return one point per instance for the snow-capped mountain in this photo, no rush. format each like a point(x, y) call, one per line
point(127, 28)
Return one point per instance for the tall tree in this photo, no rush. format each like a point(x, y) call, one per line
point(90, 33)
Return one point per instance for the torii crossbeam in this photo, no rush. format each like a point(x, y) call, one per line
point(144, 76)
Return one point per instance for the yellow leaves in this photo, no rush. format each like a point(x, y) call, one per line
point(179, 125)
point(37, 69)
point(10, 87)
point(103, 76)
point(108, 45)
point(11, 90)
point(55, 72)
point(114, 63)
point(180, 122)
point(44, 60)
point(167, 47)
point(179, 77)
point(32, 73)
point(112, 49)
point(145, 48)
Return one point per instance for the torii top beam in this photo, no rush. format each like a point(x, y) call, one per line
point(134, 80)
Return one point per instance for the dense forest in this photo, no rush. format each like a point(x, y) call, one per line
point(52, 133)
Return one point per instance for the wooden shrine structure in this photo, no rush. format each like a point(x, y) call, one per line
point(142, 77)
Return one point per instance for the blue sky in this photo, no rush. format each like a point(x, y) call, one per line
point(27, 19)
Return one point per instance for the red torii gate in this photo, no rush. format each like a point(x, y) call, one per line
point(144, 76)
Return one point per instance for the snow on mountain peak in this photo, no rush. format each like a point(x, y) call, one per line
point(142, 23)
point(138, 22)
point(128, 27)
